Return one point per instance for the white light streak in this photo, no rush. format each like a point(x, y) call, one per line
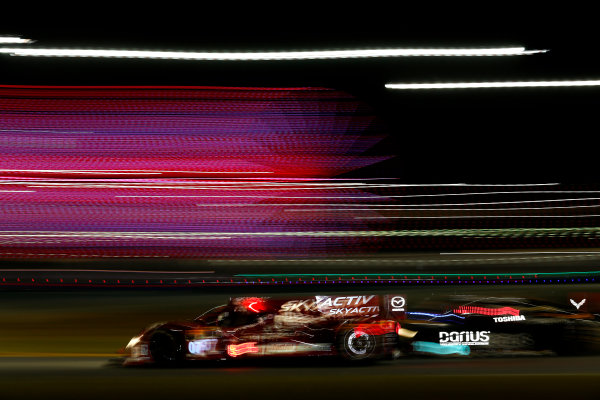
point(14, 40)
point(400, 207)
point(271, 55)
point(499, 202)
point(397, 208)
point(491, 85)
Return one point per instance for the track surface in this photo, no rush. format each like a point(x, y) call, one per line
point(68, 378)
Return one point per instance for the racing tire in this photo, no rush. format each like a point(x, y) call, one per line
point(355, 347)
point(165, 348)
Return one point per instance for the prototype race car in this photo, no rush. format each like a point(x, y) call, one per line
point(367, 327)
point(354, 327)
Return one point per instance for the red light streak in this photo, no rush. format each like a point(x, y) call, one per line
point(380, 328)
point(486, 311)
point(235, 350)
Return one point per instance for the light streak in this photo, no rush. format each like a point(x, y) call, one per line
point(436, 348)
point(498, 232)
point(374, 207)
point(503, 202)
point(235, 350)
point(129, 172)
point(112, 172)
point(492, 85)
point(271, 55)
point(484, 216)
point(14, 40)
point(400, 208)
point(433, 316)
point(486, 310)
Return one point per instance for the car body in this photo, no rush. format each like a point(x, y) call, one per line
point(475, 325)
point(366, 327)
point(356, 327)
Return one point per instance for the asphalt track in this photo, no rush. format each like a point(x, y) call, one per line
point(59, 344)
point(494, 378)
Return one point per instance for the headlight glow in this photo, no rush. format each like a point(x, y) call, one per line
point(134, 340)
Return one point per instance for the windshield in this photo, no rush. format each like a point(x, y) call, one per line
point(210, 317)
point(236, 319)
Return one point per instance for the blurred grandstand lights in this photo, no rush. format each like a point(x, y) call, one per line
point(483, 85)
point(270, 55)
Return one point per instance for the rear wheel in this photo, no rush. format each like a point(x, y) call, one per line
point(357, 346)
point(165, 348)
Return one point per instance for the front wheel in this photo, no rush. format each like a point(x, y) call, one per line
point(165, 349)
point(357, 346)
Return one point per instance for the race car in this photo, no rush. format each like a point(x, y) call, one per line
point(359, 327)
point(367, 327)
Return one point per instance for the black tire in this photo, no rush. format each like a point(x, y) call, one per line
point(358, 347)
point(166, 349)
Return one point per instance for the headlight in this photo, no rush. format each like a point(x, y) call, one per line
point(134, 340)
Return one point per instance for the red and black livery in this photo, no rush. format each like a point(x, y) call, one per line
point(359, 327)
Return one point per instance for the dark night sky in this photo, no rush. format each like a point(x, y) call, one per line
point(477, 136)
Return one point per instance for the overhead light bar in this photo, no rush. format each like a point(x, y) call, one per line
point(267, 56)
point(483, 85)
point(14, 40)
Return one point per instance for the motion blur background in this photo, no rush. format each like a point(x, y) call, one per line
point(58, 340)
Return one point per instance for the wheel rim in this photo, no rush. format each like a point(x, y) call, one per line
point(359, 345)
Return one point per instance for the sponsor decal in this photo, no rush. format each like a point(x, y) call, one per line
point(298, 347)
point(577, 305)
point(338, 306)
point(398, 303)
point(348, 305)
point(510, 318)
point(299, 306)
point(201, 347)
point(470, 338)
point(279, 348)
